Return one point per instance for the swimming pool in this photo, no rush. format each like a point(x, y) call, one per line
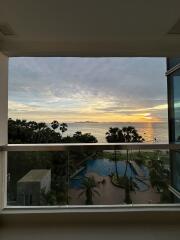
point(105, 167)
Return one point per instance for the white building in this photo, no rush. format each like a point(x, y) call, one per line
point(30, 187)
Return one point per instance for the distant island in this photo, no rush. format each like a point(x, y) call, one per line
point(86, 122)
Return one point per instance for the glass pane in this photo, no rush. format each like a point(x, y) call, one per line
point(176, 82)
point(119, 177)
point(175, 156)
point(174, 110)
point(89, 177)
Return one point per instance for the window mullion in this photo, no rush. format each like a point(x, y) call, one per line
point(3, 126)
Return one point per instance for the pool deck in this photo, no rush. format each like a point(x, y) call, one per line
point(109, 194)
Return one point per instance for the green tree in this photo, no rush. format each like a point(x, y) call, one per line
point(63, 127)
point(41, 126)
point(55, 124)
point(124, 135)
point(22, 131)
point(89, 189)
point(159, 176)
point(78, 137)
point(114, 135)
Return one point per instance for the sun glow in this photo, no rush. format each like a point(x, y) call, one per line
point(81, 114)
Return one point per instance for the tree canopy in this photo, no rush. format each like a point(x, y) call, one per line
point(23, 131)
point(123, 135)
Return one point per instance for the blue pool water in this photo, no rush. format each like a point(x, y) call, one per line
point(105, 167)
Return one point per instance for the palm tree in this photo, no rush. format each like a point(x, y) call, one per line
point(114, 135)
point(79, 137)
point(32, 125)
point(63, 127)
point(54, 124)
point(131, 135)
point(124, 135)
point(41, 126)
point(158, 173)
point(89, 190)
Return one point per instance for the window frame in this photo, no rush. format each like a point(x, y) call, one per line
point(3, 127)
point(43, 209)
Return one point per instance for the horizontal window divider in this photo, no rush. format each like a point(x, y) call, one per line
point(90, 208)
point(85, 146)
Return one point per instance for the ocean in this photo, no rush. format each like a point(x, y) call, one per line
point(149, 131)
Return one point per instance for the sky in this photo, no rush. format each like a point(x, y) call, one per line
point(88, 89)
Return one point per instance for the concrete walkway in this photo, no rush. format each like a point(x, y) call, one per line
point(109, 194)
point(137, 169)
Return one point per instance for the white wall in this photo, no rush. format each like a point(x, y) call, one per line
point(3, 119)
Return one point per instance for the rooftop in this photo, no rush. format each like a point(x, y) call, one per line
point(35, 175)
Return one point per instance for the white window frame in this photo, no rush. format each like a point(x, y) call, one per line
point(3, 168)
point(3, 127)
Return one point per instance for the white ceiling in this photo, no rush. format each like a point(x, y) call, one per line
point(90, 27)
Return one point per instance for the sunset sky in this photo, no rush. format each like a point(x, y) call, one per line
point(88, 89)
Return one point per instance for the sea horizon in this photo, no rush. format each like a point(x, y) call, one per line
point(70, 122)
point(150, 131)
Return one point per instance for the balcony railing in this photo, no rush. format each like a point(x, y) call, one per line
point(76, 146)
point(96, 175)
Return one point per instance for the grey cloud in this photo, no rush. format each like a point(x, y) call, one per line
point(124, 82)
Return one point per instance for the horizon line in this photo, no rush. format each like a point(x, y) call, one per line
point(163, 121)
